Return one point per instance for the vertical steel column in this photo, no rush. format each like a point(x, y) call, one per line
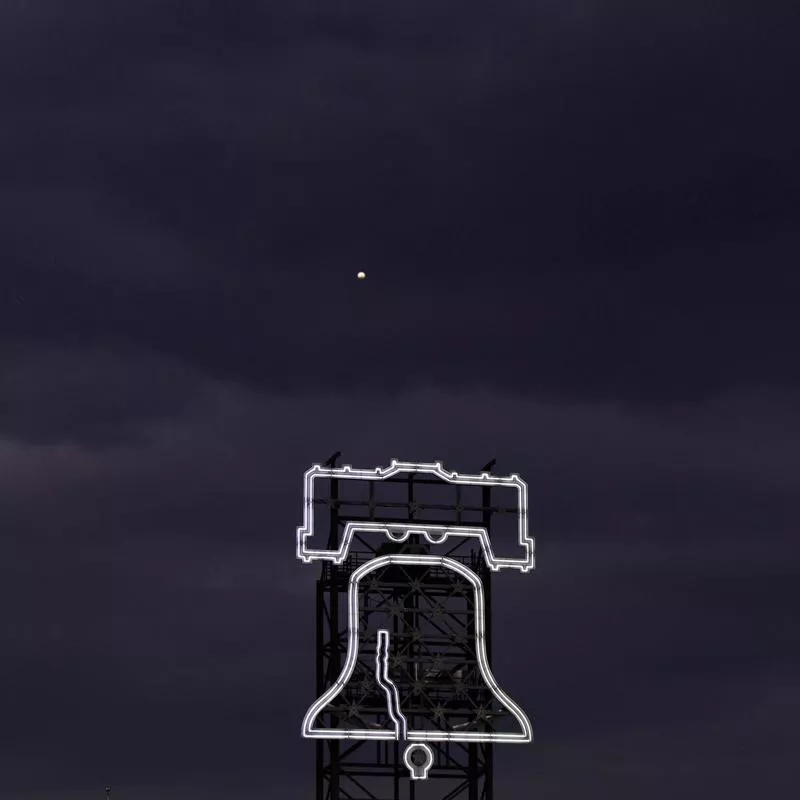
point(319, 773)
point(328, 669)
point(486, 578)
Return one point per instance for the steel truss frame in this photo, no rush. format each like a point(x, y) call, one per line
point(348, 769)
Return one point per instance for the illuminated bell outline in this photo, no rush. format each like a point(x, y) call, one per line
point(506, 702)
point(399, 532)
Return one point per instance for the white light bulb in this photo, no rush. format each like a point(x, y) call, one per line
point(361, 276)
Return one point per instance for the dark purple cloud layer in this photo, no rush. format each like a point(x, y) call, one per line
point(588, 199)
point(579, 222)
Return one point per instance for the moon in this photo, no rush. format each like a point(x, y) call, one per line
point(361, 276)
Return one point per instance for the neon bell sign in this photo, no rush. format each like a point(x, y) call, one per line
point(418, 755)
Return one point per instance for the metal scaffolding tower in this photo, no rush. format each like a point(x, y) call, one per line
point(432, 650)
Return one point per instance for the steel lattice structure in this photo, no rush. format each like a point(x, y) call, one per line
point(429, 613)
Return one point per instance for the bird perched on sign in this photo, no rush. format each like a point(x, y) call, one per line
point(488, 467)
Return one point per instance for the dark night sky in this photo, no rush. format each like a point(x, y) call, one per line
point(580, 224)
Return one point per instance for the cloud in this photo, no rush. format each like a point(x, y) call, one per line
point(549, 200)
point(91, 396)
point(741, 744)
point(577, 221)
point(146, 575)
